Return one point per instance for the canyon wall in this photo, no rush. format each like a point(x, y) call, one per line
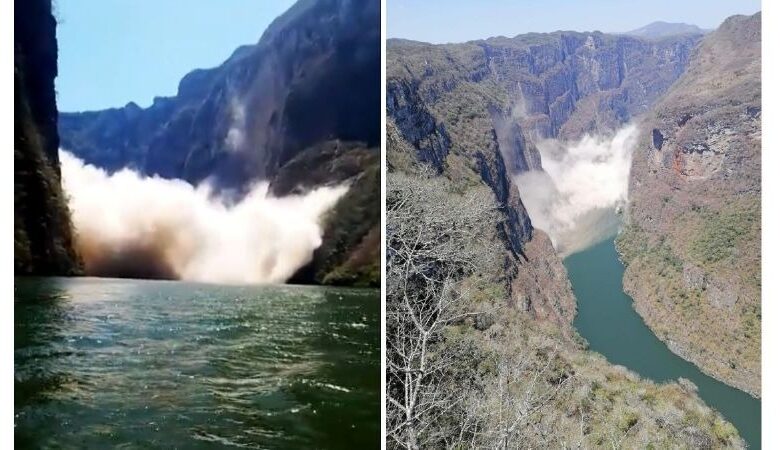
point(311, 77)
point(43, 236)
point(299, 109)
point(693, 241)
point(466, 118)
point(474, 111)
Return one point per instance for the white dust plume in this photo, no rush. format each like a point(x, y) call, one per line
point(149, 227)
point(235, 137)
point(575, 198)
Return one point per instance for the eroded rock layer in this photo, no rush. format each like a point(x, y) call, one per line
point(473, 111)
point(693, 243)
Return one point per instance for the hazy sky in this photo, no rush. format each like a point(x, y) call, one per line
point(462, 20)
point(113, 52)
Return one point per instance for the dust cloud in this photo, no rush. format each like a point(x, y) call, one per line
point(575, 198)
point(128, 225)
point(235, 137)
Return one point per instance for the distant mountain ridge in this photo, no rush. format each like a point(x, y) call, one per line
point(660, 29)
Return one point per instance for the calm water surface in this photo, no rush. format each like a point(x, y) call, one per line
point(105, 363)
point(607, 319)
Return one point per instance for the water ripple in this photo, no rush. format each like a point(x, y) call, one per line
point(121, 363)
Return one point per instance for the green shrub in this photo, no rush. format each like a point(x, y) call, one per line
point(721, 231)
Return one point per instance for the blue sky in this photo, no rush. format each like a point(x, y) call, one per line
point(113, 52)
point(462, 20)
point(116, 51)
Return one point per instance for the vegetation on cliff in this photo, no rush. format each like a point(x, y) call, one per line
point(468, 369)
point(693, 243)
point(350, 250)
point(43, 235)
point(350, 253)
point(481, 349)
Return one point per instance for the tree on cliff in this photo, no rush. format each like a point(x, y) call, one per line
point(435, 239)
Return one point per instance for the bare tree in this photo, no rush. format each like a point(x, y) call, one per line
point(511, 409)
point(439, 241)
point(436, 238)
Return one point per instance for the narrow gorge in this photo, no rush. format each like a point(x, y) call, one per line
point(277, 147)
point(201, 272)
point(559, 127)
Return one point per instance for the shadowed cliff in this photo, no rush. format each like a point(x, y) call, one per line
point(43, 236)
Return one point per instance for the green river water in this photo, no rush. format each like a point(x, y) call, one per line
point(608, 321)
point(103, 363)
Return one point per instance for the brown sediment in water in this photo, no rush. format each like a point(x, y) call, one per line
point(134, 260)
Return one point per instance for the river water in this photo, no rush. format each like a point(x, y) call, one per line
point(608, 321)
point(102, 363)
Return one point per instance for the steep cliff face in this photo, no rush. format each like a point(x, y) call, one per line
point(42, 228)
point(693, 245)
point(350, 253)
point(473, 112)
point(299, 109)
point(557, 84)
point(312, 77)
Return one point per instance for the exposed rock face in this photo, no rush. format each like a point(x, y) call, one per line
point(430, 140)
point(473, 111)
point(693, 247)
point(350, 253)
point(43, 240)
point(312, 77)
point(541, 286)
point(299, 109)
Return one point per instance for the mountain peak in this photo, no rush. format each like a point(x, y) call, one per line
point(661, 29)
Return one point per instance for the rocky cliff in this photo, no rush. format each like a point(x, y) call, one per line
point(43, 240)
point(350, 253)
point(473, 111)
point(311, 77)
point(300, 109)
point(693, 243)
